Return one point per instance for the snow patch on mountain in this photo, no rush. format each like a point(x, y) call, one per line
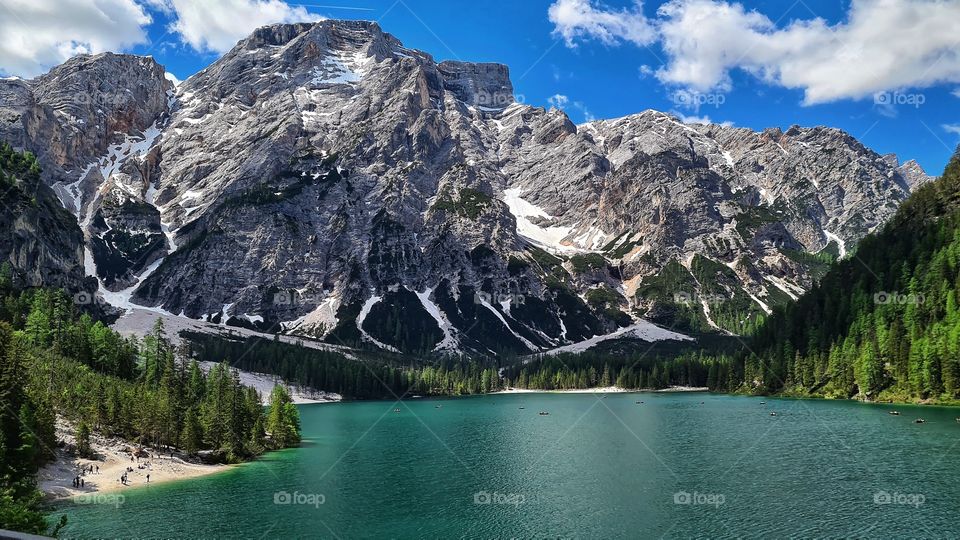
point(550, 238)
point(642, 330)
point(449, 342)
point(340, 68)
point(364, 311)
point(483, 302)
point(791, 290)
point(841, 245)
point(324, 316)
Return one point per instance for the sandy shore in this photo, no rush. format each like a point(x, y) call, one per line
point(113, 459)
point(684, 389)
point(603, 390)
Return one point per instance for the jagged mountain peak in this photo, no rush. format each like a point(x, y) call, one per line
point(324, 179)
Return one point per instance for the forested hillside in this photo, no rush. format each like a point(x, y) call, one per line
point(882, 324)
point(57, 362)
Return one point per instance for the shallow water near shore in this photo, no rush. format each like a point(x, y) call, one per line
point(677, 465)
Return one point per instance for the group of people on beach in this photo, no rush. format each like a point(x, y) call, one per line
point(78, 480)
point(141, 466)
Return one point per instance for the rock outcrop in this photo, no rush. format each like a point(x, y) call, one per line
point(323, 179)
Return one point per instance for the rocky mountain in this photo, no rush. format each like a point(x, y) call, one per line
point(43, 244)
point(325, 180)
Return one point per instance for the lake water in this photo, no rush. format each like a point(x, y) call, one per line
point(676, 466)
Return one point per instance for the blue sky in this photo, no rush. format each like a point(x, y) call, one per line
point(756, 64)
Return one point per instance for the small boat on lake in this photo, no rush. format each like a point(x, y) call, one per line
point(773, 414)
point(396, 410)
point(919, 421)
point(544, 413)
point(895, 413)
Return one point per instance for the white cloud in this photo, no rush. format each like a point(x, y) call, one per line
point(956, 93)
point(580, 19)
point(881, 45)
point(582, 107)
point(952, 128)
point(217, 25)
point(39, 34)
point(693, 119)
point(558, 100)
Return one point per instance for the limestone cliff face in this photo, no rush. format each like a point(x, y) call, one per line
point(324, 179)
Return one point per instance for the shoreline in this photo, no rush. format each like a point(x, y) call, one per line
point(114, 458)
point(600, 390)
point(916, 403)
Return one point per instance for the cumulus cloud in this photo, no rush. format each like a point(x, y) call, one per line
point(39, 34)
point(881, 45)
point(582, 107)
point(582, 19)
point(956, 93)
point(217, 25)
point(952, 128)
point(693, 119)
point(884, 44)
point(558, 100)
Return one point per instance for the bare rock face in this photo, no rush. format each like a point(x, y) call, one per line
point(323, 179)
point(483, 85)
point(42, 244)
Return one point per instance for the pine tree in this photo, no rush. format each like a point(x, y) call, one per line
point(83, 441)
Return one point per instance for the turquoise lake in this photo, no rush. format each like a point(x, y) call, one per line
point(675, 466)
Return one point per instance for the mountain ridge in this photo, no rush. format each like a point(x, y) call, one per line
point(323, 178)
